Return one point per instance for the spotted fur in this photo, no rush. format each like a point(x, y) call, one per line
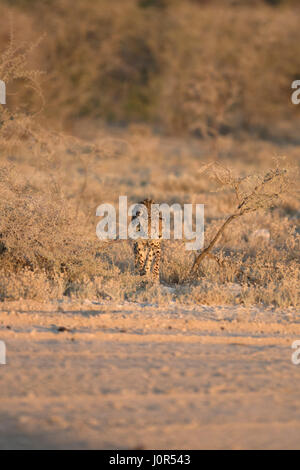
point(147, 252)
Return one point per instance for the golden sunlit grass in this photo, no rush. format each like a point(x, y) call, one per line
point(192, 67)
point(51, 183)
point(48, 223)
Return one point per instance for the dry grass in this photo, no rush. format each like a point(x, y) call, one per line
point(191, 67)
point(51, 183)
point(48, 225)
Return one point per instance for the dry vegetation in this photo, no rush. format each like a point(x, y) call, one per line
point(192, 74)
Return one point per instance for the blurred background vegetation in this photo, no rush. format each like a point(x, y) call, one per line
point(143, 81)
point(193, 67)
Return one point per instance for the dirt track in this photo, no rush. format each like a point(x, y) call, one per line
point(134, 376)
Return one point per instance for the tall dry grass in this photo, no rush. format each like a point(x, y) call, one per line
point(49, 248)
point(181, 67)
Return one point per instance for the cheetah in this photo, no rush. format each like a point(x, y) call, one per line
point(147, 252)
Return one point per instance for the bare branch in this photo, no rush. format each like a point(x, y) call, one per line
point(260, 197)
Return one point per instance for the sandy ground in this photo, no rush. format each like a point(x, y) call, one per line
point(140, 376)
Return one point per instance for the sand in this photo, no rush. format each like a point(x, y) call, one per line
point(134, 376)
